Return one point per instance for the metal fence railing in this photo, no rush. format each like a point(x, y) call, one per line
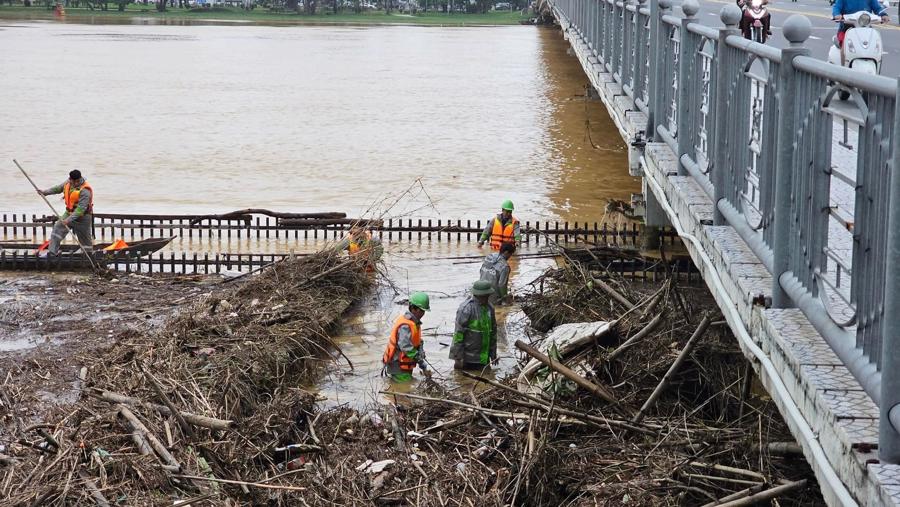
point(802, 174)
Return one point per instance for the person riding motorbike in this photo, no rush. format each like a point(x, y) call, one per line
point(842, 7)
point(747, 18)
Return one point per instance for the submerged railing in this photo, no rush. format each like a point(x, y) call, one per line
point(795, 153)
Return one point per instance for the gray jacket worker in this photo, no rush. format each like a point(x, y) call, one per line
point(495, 269)
point(475, 336)
point(79, 214)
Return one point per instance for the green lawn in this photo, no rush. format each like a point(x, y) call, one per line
point(261, 15)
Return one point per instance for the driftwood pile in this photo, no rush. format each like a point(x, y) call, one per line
point(196, 410)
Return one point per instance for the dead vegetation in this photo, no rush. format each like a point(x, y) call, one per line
point(210, 409)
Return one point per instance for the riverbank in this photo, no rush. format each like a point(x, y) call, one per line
point(147, 14)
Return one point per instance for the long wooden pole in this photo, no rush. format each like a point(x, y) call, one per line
point(90, 258)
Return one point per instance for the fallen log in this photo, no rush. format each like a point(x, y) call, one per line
point(244, 215)
point(785, 448)
point(667, 378)
point(197, 420)
point(319, 222)
point(565, 371)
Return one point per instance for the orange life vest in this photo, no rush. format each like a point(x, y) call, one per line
point(71, 196)
point(406, 363)
point(501, 234)
point(355, 245)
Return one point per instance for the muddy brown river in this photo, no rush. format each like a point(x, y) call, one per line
point(393, 121)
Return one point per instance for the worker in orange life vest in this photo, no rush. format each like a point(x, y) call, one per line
point(405, 349)
point(359, 242)
point(79, 215)
point(504, 228)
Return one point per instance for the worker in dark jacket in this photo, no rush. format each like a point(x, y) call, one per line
point(79, 214)
point(475, 337)
point(495, 269)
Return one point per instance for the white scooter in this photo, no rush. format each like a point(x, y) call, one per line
point(862, 49)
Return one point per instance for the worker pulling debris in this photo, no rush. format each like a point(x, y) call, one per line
point(495, 269)
point(503, 228)
point(79, 214)
point(405, 348)
point(475, 338)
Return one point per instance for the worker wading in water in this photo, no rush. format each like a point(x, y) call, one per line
point(495, 269)
point(503, 228)
point(360, 244)
point(405, 348)
point(79, 215)
point(475, 337)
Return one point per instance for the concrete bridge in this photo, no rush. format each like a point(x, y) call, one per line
point(783, 194)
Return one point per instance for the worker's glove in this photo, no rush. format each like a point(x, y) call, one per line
point(480, 244)
point(494, 361)
point(885, 19)
point(67, 221)
point(41, 192)
point(427, 373)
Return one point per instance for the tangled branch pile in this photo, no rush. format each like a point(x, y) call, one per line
point(212, 395)
point(656, 410)
point(702, 440)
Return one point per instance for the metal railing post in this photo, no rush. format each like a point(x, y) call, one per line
point(656, 12)
point(685, 82)
point(796, 30)
point(730, 16)
point(888, 434)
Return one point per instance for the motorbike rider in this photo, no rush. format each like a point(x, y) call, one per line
point(747, 19)
point(842, 7)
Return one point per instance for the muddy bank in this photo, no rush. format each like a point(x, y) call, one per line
point(230, 363)
point(50, 324)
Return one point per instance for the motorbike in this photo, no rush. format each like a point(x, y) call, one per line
point(862, 48)
point(754, 22)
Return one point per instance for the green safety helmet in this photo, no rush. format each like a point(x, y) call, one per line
point(419, 300)
point(482, 288)
point(507, 205)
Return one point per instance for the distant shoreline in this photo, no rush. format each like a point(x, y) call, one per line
point(231, 16)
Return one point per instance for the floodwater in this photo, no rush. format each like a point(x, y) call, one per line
point(165, 119)
point(386, 121)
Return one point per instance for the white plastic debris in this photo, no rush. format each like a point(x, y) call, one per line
point(364, 465)
point(379, 466)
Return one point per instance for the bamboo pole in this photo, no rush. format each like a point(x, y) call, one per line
point(640, 335)
point(565, 371)
point(138, 426)
point(664, 383)
point(765, 495)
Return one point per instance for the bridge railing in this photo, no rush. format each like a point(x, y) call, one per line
point(796, 154)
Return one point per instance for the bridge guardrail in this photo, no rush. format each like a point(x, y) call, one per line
point(758, 129)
